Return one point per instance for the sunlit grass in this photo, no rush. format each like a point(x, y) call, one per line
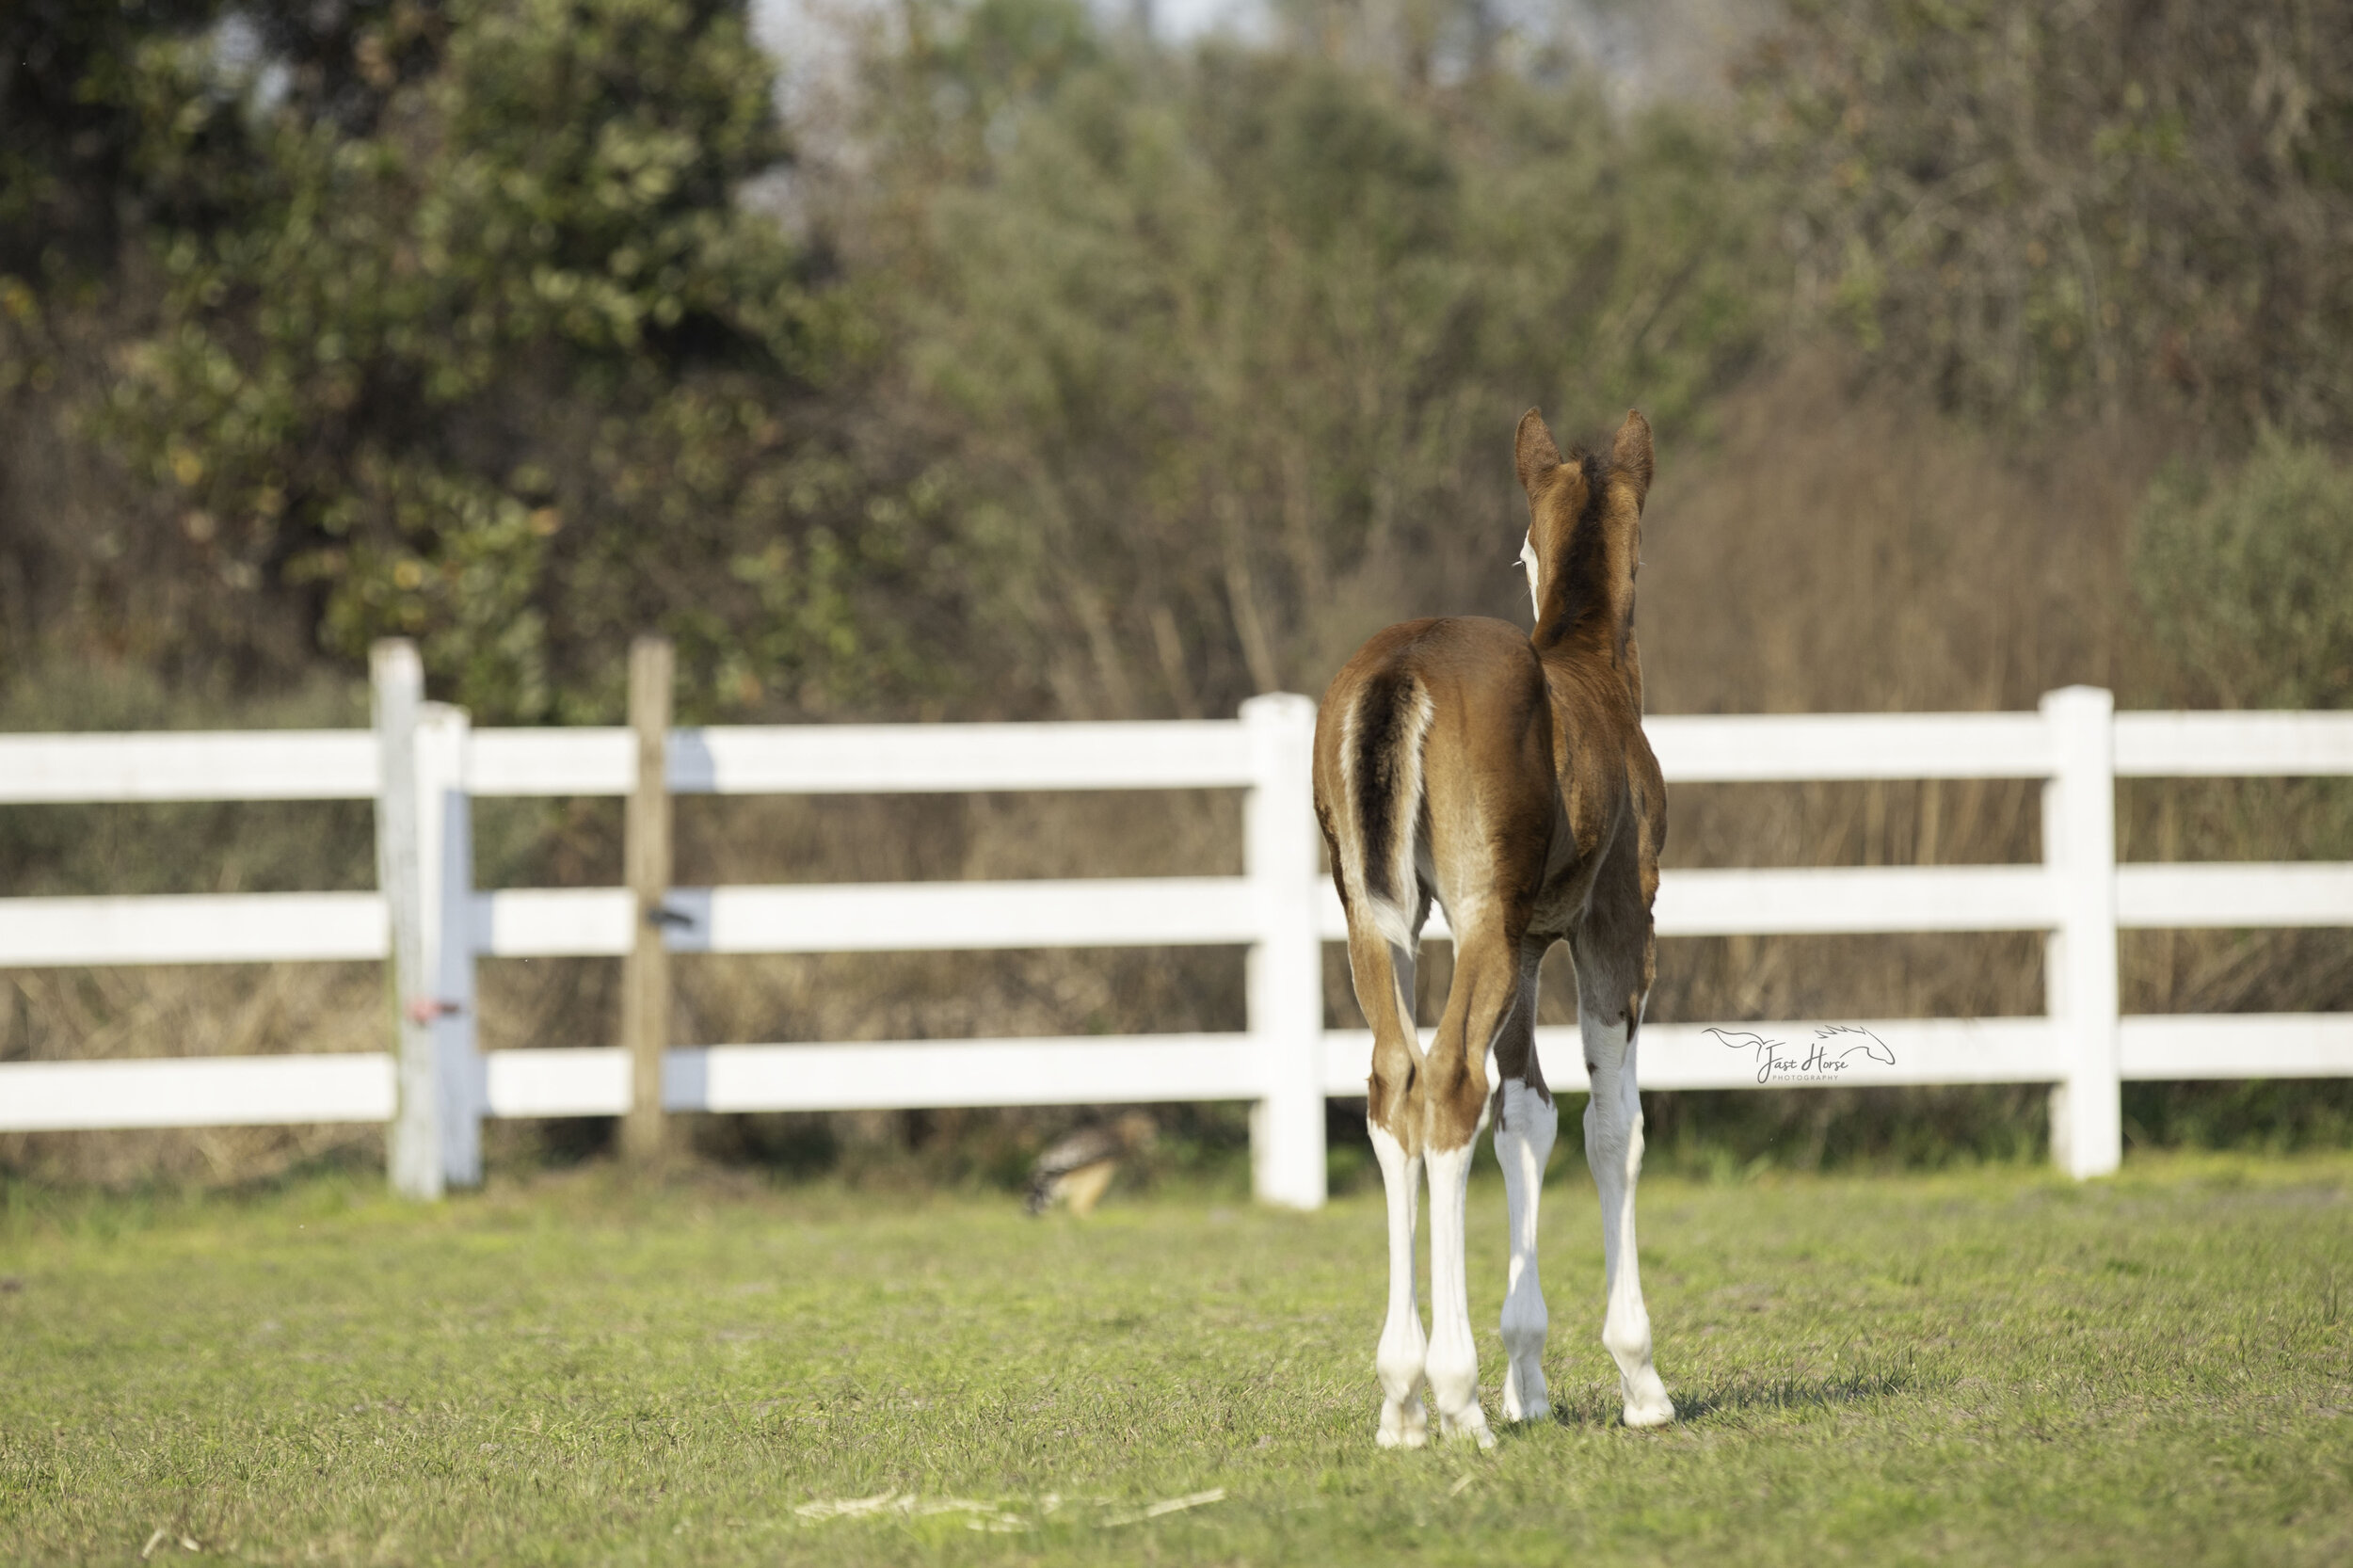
point(1992, 1366)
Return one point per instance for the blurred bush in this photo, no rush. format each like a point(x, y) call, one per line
point(2248, 577)
point(2245, 572)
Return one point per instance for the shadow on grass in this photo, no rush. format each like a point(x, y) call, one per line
point(1597, 1404)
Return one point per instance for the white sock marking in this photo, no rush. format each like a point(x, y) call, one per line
point(1398, 1362)
point(1524, 1138)
point(1453, 1361)
point(1613, 1147)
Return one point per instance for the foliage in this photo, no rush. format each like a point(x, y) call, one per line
point(2046, 208)
point(498, 359)
point(1995, 1369)
point(2248, 578)
point(68, 130)
point(1223, 342)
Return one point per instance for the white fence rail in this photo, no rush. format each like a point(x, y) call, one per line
point(425, 765)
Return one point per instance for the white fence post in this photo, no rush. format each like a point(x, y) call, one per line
point(1286, 979)
point(2079, 955)
point(445, 877)
point(413, 1142)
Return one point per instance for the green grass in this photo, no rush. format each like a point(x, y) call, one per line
point(1989, 1367)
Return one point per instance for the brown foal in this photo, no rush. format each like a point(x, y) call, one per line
point(1506, 776)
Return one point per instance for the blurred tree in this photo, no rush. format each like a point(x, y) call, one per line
point(2046, 208)
point(68, 127)
point(1226, 349)
point(464, 334)
point(1413, 43)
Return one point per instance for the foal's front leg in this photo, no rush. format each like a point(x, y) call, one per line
point(1526, 1125)
point(1613, 1147)
point(1526, 1121)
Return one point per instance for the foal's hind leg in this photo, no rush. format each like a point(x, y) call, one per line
point(1608, 1014)
point(1383, 974)
point(1526, 1121)
point(1480, 1009)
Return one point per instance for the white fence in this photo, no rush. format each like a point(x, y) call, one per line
point(424, 765)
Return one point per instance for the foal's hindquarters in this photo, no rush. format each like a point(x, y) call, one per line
point(1444, 786)
point(1506, 776)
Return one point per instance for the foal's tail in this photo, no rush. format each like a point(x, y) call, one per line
point(1381, 761)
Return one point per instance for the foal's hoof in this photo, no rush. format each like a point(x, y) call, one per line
point(1406, 1426)
point(1472, 1424)
point(1648, 1405)
point(1524, 1397)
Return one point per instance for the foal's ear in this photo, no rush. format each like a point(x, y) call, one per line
point(1629, 454)
point(1534, 452)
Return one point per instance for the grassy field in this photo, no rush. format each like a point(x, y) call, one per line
point(1992, 1367)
